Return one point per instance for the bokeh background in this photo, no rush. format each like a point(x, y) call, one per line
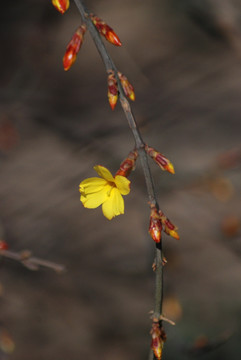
point(184, 59)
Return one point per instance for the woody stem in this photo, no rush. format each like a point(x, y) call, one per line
point(140, 144)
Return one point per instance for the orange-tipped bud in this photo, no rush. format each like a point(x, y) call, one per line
point(69, 58)
point(155, 226)
point(127, 87)
point(105, 30)
point(112, 100)
point(160, 159)
point(128, 164)
point(3, 245)
point(73, 47)
point(158, 338)
point(169, 227)
point(61, 5)
point(174, 234)
point(112, 90)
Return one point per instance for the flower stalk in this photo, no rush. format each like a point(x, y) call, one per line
point(119, 87)
point(139, 144)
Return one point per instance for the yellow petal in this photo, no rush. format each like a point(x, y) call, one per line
point(93, 200)
point(92, 185)
point(104, 173)
point(113, 205)
point(83, 199)
point(123, 184)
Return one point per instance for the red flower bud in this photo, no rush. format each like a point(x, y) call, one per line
point(128, 164)
point(61, 5)
point(3, 245)
point(112, 90)
point(105, 30)
point(73, 47)
point(169, 227)
point(160, 159)
point(155, 226)
point(127, 87)
point(172, 233)
point(158, 338)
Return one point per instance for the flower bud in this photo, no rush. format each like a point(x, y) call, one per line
point(158, 338)
point(105, 30)
point(155, 226)
point(160, 159)
point(61, 5)
point(128, 164)
point(73, 47)
point(112, 90)
point(3, 245)
point(168, 226)
point(127, 87)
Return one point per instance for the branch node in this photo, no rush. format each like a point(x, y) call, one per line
point(163, 318)
point(25, 255)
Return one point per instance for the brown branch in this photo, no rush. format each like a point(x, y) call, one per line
point(140, 145)
point(26, 259)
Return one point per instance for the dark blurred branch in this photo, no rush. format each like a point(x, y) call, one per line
point(25, 258)
point(203, 345)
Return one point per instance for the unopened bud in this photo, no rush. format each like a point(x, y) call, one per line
point(155, 226)
point(158, 338)
point(105, 30)
point(3, 245)
point(61, 5)
point(73, 47)
point(112, 90)
point(173, 234)
point(127, 87)
point(128, 164)
point(160, 159)
point(168, 226)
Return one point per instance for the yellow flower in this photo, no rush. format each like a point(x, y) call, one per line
point(106, 191)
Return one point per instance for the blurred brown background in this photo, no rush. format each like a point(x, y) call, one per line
point(184, 59)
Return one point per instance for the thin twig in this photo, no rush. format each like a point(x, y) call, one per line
point(25, 258)
point(140, 144)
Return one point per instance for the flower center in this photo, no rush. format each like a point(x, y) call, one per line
point(112, 185)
